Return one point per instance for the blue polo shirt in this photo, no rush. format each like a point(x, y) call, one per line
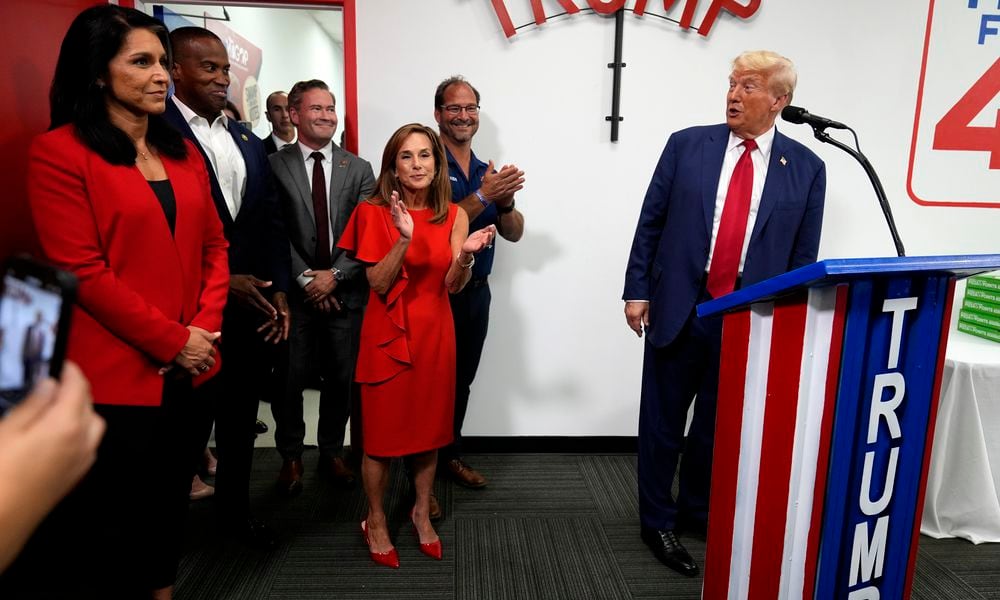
point(460, 189)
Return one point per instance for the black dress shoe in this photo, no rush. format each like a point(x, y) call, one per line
point(251, 532)
point(669, 550)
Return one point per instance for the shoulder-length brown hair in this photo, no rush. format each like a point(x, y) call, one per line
point(439, 194)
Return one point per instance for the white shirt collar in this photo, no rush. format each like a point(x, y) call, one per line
point(764, 142)
point(280, 143)
point(326, 150)
point(190, 115)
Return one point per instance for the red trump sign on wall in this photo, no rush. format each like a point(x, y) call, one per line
point(607, 7)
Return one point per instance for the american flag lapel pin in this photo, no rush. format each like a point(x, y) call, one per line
point(343, 163)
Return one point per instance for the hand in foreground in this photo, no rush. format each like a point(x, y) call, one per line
point(401, 218)
point(245, 288)
point(276, 329)
point(479, 240)
point(198, 354)
point(500, 186)
point(47, 443)
point(329, 304)
point(321, 287)
point(637, 316)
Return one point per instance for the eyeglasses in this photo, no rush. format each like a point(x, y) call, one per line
point(455, 110)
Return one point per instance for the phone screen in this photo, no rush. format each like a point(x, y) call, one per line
point(30, 311)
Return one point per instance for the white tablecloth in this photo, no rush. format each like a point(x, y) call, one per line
point(963, 482)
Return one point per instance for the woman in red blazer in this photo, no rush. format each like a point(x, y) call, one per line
point(122, 201)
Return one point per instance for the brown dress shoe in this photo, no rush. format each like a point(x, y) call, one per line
point(466, 475)
point(435, 512)
point(336, 468)
point(290, 477)
point(201, 490)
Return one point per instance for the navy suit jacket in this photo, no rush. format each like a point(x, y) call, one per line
point(269, 146)
point(671, 244)
point(258, 242)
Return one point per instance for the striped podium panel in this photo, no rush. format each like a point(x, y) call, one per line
point(828, 389)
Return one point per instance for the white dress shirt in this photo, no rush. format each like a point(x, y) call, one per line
point(327, 152)
point(280, 143)
point(760, 158)
point(222, 152)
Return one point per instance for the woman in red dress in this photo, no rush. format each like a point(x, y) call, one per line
point(415, 245)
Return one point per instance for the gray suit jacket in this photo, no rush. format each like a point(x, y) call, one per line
point(351, 181)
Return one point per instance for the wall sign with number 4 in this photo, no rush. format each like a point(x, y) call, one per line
point(955, 151)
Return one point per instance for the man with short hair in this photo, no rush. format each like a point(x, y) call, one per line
point(729, 205)
point(257, 309)
point(319, 186)
point(487, 196)
point(282, 130)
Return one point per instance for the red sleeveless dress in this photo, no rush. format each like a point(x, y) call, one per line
point(406, 361)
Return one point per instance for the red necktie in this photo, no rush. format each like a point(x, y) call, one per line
point(320, 213)
point(732, 227)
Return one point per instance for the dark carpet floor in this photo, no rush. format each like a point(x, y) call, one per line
point(548, 526)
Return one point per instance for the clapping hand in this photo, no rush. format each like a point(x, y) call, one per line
point(500, 186)
point(401, 218)
point(479, 240)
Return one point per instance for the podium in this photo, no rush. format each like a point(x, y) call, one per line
point(828, 391)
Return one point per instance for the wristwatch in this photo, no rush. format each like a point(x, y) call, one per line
point(503, 210)
point(338, 275)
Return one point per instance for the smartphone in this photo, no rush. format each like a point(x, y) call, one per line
point(36, 301)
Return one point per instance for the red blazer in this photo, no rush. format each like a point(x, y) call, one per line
point(139, 287)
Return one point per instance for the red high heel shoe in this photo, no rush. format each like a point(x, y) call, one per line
point(388, 559)
point(431, 549)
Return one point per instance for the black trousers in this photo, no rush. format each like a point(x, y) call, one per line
point(672, 377)
point(231, 398)
point(471, 310)
point(328, 343)
point(119, 533)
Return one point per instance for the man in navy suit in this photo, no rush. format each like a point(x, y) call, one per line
point(728, 205)
point(259, 262)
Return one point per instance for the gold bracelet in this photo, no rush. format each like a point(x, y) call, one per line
point(458, 261)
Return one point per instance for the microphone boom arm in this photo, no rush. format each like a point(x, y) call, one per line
point(823, 136)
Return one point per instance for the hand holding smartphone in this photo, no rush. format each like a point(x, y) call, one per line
point(36, 301)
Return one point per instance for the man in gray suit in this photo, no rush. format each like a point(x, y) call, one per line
point(319, 186)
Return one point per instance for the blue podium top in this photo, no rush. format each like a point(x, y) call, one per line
point(836, 270)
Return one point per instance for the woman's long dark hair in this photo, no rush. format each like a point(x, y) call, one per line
point(93, 39)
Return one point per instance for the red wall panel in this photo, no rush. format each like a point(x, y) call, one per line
point(33, 31)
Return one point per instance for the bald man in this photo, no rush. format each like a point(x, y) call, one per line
point(282, 130)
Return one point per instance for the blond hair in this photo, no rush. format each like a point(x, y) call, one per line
point(780, 71)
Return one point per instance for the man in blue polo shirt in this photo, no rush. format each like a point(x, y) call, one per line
point(487, 195)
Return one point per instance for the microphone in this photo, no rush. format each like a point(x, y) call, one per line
point(798, 115)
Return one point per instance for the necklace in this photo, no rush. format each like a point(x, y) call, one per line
point(142, 154)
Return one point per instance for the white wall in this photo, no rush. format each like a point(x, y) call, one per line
point(559, 359)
